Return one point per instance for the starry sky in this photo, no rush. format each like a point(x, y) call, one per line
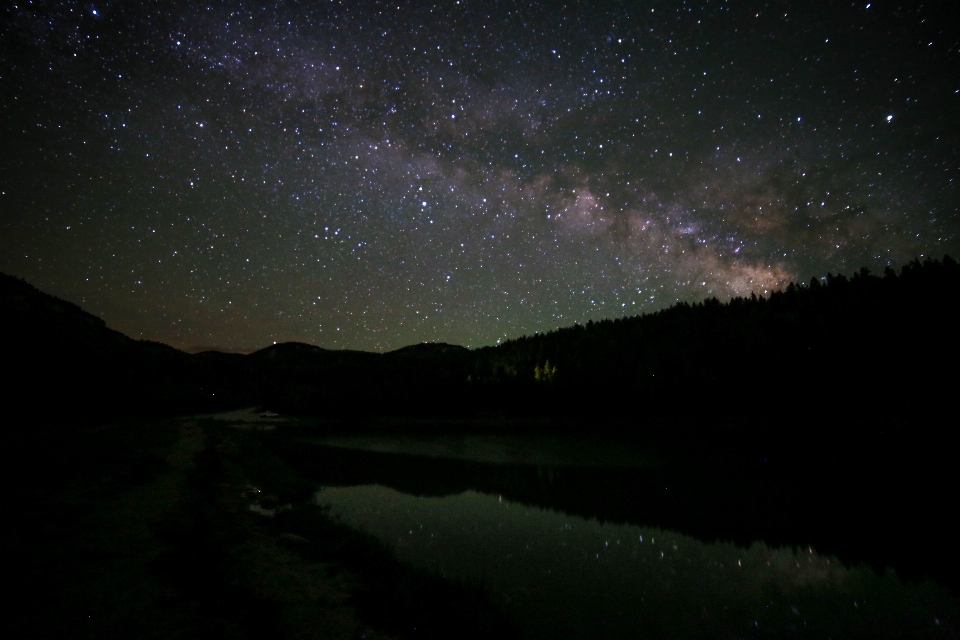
point(369, 175)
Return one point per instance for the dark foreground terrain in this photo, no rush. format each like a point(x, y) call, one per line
point(190, 528)
point(205, 526)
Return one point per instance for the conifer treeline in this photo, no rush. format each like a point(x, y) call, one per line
point(826, 341)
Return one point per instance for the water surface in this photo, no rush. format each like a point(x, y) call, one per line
point(529, 532)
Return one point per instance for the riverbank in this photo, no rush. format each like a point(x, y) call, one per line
point(191, 528)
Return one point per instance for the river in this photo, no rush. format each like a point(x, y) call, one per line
point(570, 538)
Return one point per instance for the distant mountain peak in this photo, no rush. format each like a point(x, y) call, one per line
point(429, 348)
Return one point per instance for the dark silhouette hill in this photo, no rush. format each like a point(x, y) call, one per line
point(429, 349)
point(65, 363)
point(865, 346)
point(61, 361)
point(858, 348)
point(24, 307)
point(421, 380)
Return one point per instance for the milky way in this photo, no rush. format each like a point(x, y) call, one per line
point(371, 175)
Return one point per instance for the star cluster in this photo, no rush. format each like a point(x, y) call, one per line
point(370, 175)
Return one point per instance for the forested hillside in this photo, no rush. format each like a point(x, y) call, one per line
point(840, 348)
point(861, 345)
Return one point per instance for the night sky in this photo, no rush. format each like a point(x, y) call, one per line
point(371, 175)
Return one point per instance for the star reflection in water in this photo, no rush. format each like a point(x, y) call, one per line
point(566, 576)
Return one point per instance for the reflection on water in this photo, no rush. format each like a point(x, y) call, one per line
point(577, 538)
point(572, 577)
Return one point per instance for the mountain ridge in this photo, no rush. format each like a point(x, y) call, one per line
point(834, 332)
